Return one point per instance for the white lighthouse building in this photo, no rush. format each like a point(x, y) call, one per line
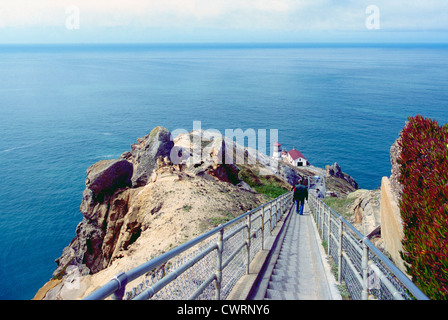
point(277, 154)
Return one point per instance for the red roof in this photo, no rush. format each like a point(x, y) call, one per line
point(296, 154)
point(277, 144)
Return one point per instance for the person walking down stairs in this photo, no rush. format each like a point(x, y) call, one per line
point(300, 194)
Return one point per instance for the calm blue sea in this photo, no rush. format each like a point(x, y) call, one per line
point(63, 108)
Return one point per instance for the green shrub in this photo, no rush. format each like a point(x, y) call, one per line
point(424, 204)
point(268, 185)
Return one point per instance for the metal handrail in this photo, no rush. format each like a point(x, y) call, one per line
point(374, 264)
point(117, 285)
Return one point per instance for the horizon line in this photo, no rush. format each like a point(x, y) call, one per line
point(233, 43)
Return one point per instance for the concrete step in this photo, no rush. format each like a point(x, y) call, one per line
point(281, 295)
point(284, 286)
point(298, 271)
point(294, 262)
point(285, 278)
point(286, 270)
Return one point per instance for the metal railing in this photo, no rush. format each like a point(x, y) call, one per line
point(366, 271)
point(206, 267)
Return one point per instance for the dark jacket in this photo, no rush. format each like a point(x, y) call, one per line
point(300, 192)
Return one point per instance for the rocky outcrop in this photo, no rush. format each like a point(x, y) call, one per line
point(144, 154)
point(143, 203)
point(137, 199)
point(110, 185)
point(335, 171)
point(365, 210)
point(96, 234)
point(340, 183)
point(104, 177)
point(289, 174)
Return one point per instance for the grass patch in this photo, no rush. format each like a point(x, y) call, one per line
point(215, 221)
point(340, 205)
point(269, 185)
point(270, 190)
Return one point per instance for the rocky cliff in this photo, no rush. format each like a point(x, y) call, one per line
point(142, 204)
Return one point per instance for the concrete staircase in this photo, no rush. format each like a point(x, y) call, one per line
point(299, 271)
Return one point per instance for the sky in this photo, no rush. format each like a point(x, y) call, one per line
point(109, 21)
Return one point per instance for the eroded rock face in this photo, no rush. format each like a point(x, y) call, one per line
point(365, 209)
point(335, 171)
point(110, 185)
point(110, 223)
point(144, 154)
point(289, 174)
point(97, 234)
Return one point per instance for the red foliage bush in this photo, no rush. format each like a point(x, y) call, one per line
point(424, 204)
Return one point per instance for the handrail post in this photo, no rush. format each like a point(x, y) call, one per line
point(282, 206)
point(341, 236)
point(248, 243)
point(321, 217)
point(318, 214)
point(365, 266)
point(285, 204)
point(219, 264)
point(324, 220)
point(329, 232)
point(262, 228)
point(274, 214)
point(276, 211)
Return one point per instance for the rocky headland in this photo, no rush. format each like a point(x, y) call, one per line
point(142, 204)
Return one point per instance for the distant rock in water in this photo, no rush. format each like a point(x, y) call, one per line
point(336, 172)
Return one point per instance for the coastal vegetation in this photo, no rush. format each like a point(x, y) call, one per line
point(269, 185)
point(424, 204)
point(341, 205)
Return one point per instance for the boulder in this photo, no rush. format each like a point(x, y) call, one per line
point(106, 176)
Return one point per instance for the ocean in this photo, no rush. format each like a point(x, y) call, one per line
point(65, 107)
